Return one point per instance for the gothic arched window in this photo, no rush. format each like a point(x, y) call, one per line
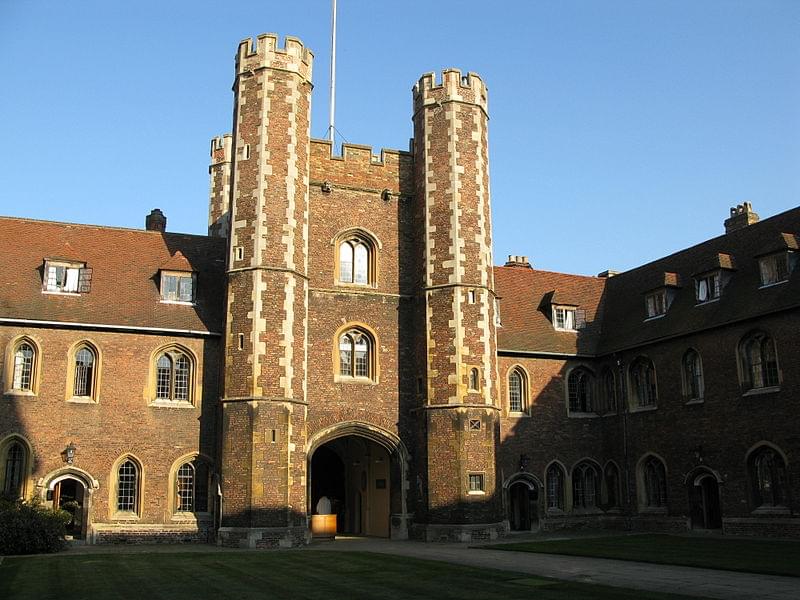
point(767, 471)
point(654, 479)
point(83, 382)
point(759, 362)
point(643, 383)
point(356, 260)
point(585, 488)
point(14, 469)
point(24, 362)
point(580, 386)
point(127, 478)
point(173, 376)
point(355, 354)
point(692, 375)
point(554, 479)
point(517, 391)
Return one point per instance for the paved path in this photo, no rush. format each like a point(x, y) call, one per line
point(690, 581)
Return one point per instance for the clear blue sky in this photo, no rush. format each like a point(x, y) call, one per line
point(620, 131)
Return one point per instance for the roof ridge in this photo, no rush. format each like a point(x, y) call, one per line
point(106, 227)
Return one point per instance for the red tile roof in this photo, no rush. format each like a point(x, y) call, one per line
point(125, 265)
point(615, 307)
point(526, 298)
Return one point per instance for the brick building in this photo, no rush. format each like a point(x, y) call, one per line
point(341, 338)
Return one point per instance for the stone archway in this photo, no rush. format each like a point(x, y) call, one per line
point(71, 489)
point(522, 491)
point(705, 509)
point(364, 468)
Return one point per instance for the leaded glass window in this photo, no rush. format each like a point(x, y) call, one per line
point(84, 372)
point(355, 358)
point(127, 487)
point(23, 367)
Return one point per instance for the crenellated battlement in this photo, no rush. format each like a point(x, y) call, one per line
point(454, 86)
point(359, 167)
point(221, 146)
point(264, 52)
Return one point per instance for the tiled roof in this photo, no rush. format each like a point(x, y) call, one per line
point(526, 298)
point(615, 307)
point(742, 298)
point(124, 284)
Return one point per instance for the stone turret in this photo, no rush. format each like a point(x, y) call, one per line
point(264, 400)
point(462, 407)
point(220, 189)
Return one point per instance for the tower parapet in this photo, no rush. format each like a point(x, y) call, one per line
point(468, 88)
point(219, 172)
point(264, 52)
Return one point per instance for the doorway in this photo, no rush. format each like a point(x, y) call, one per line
point(704, 505)
point(352, 474)
point(523, 506)
point(69, 495)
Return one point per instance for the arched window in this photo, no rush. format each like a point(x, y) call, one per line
point(654, 478)
point(581, 391)
point(611, 485)
point(555, 487)
point(585, 479)
point(767, 471)
point(14, 470)
point(517, 391)
point(608, 393)
point(759, 362)
point(355, 354)
point(474, 379)
point(356, 258)
point(128, 487)
point(24, 361)
point(692, 375)
point(643, 383)
point(173, 376)
point(83, 384)
point(191, 487)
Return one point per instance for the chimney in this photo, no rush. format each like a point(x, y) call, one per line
point(608, 273)
point(155, 221)
point(518, 261)
point(742, 215)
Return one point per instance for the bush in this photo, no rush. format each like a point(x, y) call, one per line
point(30, 528)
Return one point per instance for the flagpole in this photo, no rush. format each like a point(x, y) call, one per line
point(331, 128)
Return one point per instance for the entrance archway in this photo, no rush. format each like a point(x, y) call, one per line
point(71, 489)
point(704, 505)
point(523, 503)
point(358, 470)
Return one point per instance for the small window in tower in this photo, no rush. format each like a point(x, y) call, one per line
point(246, 152)
point(239, 252)
point(472, 296)
point(474, 424)
point(474, 379)
point(477, 483)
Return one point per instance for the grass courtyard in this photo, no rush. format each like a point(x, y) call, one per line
point(276, 575)
point(730, 554)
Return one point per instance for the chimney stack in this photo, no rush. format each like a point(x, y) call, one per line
point(155, 221)
point(742, 215)
point(518, 261)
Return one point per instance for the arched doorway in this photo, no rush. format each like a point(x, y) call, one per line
point(353, 473)
point(71, 489)
point(361, 469)
point(69, 494)
point(704, 505)
point(523, 504)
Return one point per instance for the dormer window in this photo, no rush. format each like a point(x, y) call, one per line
point(656, 303)
point(565, 318)
point(177, 287)
point(775, 268)
point(707, 287)
point(63, 277)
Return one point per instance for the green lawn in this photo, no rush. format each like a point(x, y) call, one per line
point(273, 575)
point(730, 554)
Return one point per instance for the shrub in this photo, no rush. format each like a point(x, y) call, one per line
point(30, 528)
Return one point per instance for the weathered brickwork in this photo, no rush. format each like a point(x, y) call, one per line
point(122, 421)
